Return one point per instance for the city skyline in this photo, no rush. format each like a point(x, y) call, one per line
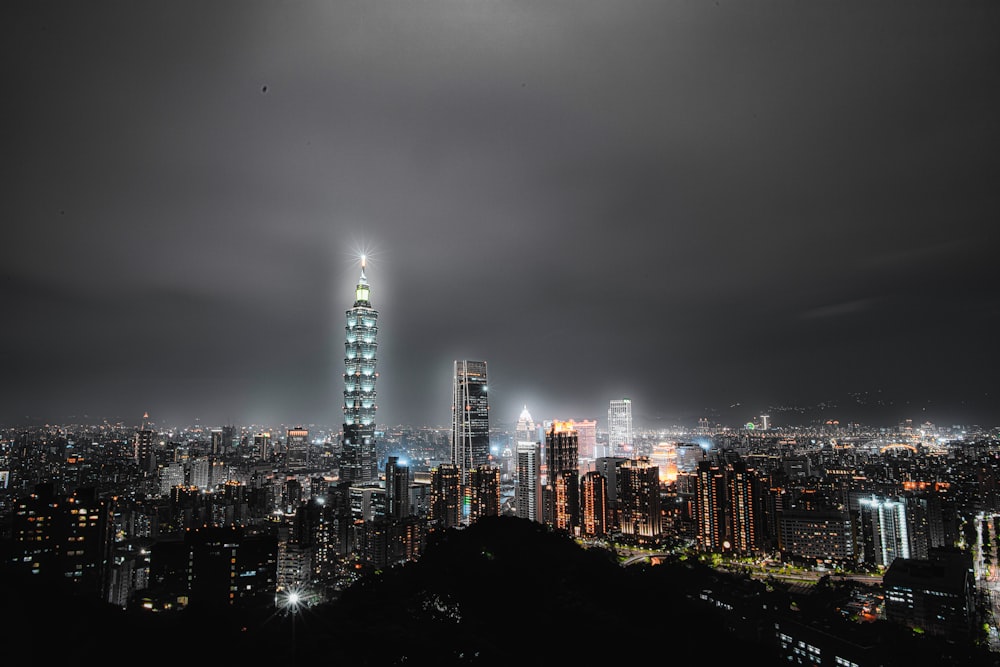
point(719, 210)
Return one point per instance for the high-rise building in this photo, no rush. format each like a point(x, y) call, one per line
point(63, 539)
point(217, 446)
point(885, 530)
point(562, 488)
point(620, 439)
point(527, 490)
point(586, 430)
point(446, 496)
point(296, 448)
point(397, 489)
point(262, 445)
point(593, 504)
point(608, 467)
point(639, 497)
point(483, 493)
point(142, 447)
point(470, 425)
point(358, 460)
point(710, 507)
point(742, 504)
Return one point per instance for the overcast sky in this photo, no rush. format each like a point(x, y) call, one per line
point(695, 204)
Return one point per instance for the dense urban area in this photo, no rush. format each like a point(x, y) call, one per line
point(815, 544)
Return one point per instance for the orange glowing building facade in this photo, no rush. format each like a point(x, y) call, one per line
point(562, 487)
point(593, 504)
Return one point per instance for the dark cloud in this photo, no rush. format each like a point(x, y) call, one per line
point(697, 205)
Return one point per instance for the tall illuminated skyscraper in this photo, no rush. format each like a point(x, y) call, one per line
point(528, 491)
point(620, 427)
point(358, 460)
point(562, 488)
point(593, 504)
point(470, 424)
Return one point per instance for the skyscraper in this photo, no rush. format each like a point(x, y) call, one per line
point(358, 461)
point(397, 489)
point(885, 530)
point(143, 449)
point(640, 500)
point(446, 496)
point(527, 492)
point(593, 504)
point(710, 507)
point(470, 424)
point(620, 441)
point(528, 468)
point(562, 489)
point(296, 448)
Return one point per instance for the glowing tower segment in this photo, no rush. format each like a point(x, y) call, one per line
point(358, 462)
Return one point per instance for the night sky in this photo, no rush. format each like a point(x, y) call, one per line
point(713, 208)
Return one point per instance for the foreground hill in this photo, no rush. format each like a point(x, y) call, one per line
point(504, 591)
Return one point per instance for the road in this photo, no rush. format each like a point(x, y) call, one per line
point(987, 575)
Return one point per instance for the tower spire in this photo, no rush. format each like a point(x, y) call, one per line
point(362, 291)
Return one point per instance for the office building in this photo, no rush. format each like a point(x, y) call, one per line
point(296, 449)
point(397, 489)
point(262, 447)
point(358, 460)
point(470, 432)
point(620, 438)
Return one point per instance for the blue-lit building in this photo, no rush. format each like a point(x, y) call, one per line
point(358, 460)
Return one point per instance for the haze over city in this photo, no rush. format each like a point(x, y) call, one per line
point(716, 209)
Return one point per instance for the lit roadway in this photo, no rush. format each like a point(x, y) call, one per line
point(789, 575)
point(986, 575)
